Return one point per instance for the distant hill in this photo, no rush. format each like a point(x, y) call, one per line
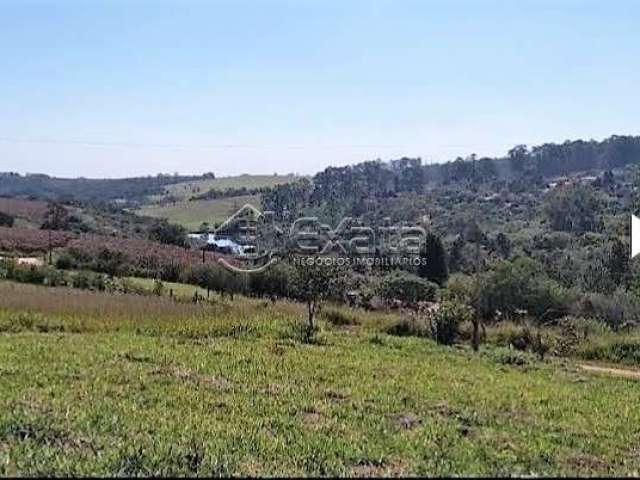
point(192, 188)
point(44, 187)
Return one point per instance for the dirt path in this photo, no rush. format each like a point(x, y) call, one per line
point(620, 372)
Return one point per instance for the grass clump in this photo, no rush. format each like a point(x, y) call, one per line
point(340, 317)
point(509, 356)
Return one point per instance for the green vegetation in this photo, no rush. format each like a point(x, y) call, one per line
point(186, 203)
point(468, 363)
point(228, 388)
point(191, 214)
point(186, 190)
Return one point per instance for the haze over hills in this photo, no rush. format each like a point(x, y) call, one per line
point(546, 160)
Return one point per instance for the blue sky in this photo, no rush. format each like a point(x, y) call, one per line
point(118, 88)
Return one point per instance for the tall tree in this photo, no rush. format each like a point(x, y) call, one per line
point(434, 265)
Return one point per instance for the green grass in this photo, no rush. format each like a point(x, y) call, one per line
point(188, 189)
point(192, 214)
point(179, 290)
point(93, 384)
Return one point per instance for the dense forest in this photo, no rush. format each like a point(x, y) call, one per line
point(355, 190)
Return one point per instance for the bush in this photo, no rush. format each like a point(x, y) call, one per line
point(616, 311)
point(446, 321)
point(27, 274)
point(274, 281)
point(85, 280)
point(158, 288)
point(616, 349)
point(168, 233)
point(507, 356)
point(406, 288)
point(521, 285)
point(55, 278)
point(65, 262)
point(460, 288)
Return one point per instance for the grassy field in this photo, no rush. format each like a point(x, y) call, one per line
point(188, 189)
point(192, 214)
point(98, 384)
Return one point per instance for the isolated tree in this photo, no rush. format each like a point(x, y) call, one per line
point(316, 281)
point(434, 266)
point(446, 321)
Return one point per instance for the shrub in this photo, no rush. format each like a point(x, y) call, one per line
point(616, 311)
point(158, 288)
point(55, 278)
point(521, 285)
point(28, 274)
point(406, 288)
point(65, 262)
point(274, 281)
point(85, 280)
point(446, 321)
point(168, 233)
point(507, 356)
point(615, 349)
point(460, 288)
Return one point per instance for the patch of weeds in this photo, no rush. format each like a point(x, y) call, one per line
point(187, 375)
point(615, 350)
point(137, 358)
point(302, 332)
point(340, 318)
point(508, 356)
point(30, 322)
point(407, 421)
point(410, 326)
point(41, 433)
point(131, 462)
point(242, 330)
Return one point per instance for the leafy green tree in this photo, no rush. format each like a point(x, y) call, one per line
point(434, 260)
point(168, 233)
point(456, 254)
point(446, 321)
point(315, 282)
point(618, 264)
point(520, 285)
point(404, 287)
point(573, 209)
